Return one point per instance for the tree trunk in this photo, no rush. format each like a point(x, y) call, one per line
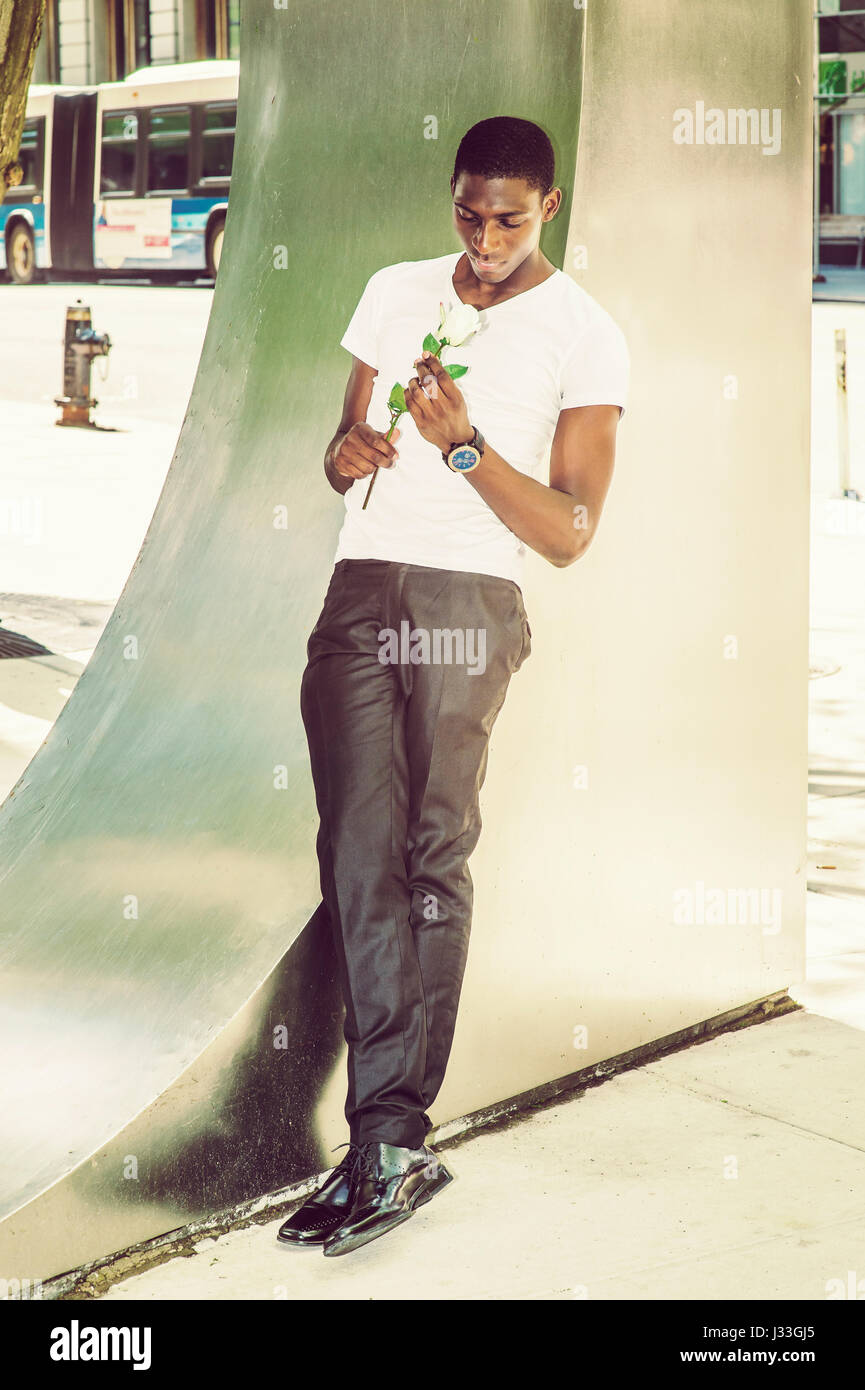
point(20, 32)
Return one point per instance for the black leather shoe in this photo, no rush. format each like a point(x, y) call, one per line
point(327, 1207)
point(392, 1182)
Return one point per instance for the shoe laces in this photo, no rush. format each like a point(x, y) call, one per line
point(365, 1161)
point(358, 1160)
point(360, 1157)
point(350, 1158)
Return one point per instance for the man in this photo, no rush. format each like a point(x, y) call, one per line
point(399, 732)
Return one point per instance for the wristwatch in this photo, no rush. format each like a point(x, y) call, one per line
point(462, 458)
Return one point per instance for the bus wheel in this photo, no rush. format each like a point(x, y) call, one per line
point(20, 255)
point(214, 245)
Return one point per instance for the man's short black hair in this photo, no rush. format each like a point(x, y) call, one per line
point(507, 147)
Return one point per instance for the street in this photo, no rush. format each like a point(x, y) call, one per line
point(75, 504)
point(156, 334)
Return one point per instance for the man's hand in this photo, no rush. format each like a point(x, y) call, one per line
point(363, 449)
point(437, 405)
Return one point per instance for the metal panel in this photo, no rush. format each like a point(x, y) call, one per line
point(159, 888)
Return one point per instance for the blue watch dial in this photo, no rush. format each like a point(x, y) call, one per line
point(465, 457)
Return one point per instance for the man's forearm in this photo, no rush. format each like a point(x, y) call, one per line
point(338, 481)
point(540, 516)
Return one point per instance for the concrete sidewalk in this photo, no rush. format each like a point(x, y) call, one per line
point(734, 1168)
point(75, 506)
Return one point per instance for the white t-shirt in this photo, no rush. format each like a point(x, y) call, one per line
point(535, 354)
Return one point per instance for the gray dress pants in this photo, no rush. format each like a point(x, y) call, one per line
point(408, 667)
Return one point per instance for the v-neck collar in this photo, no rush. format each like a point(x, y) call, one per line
point(452, 263)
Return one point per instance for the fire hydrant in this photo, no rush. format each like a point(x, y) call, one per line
point(80, 346)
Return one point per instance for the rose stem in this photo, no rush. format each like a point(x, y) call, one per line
point(375, 474)
point(443, 344)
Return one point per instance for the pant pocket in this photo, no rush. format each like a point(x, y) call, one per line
point(330, 597)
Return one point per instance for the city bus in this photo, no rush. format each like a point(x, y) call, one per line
point(123, 177)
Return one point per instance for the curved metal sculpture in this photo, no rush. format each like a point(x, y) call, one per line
point(171, 1027)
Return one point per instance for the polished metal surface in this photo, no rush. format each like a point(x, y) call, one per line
point(171, 1030)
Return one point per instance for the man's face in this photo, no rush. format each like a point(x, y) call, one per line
point(499, 221)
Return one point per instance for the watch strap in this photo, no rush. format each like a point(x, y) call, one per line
point(475, 442)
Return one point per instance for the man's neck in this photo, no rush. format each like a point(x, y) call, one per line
point(483, 295)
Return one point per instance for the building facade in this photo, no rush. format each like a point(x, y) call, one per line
point(841, 119)
point(90, 41)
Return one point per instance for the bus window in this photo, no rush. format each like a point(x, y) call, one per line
point(30, 158)
point(119, 142)
point(217, 140)
point(168, 148)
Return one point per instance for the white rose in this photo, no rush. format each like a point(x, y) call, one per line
point(459, 323)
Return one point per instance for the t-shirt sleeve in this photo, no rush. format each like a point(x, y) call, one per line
point(361, 335)
point(597, 369)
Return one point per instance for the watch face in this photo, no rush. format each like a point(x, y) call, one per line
point(464, 458)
